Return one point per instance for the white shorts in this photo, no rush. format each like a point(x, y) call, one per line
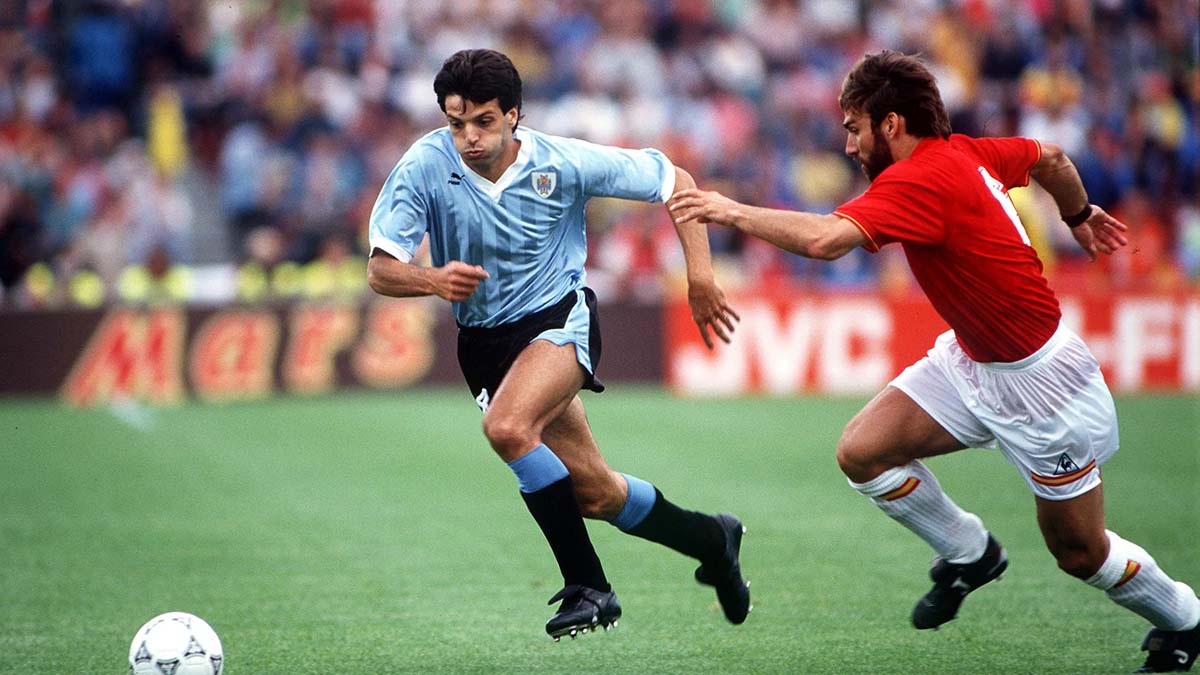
point(1051, 413)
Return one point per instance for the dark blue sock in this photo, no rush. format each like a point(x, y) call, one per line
point(691, 533)
point(550, 497)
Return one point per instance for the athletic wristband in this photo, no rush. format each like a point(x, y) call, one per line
point(1079, 218)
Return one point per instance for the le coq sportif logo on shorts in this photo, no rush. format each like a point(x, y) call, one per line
point(1065, 465)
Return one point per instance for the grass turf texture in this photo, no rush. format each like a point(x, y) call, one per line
point(374, 533)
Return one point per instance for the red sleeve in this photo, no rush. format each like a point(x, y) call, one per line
point(896, 208)
point(1011, 159)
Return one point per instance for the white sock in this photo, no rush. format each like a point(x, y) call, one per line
point(1131, 578)
point(912, 496)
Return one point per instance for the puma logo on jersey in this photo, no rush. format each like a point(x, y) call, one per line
point(455, 179)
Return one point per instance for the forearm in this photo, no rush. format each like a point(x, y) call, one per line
point(388, 276)
point(693, 237)
point(807, 234)
point(1057, 175)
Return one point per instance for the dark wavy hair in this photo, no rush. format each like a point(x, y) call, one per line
point(893, 82)
point(479, 75)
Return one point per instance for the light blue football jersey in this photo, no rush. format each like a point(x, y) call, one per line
point(526, 229)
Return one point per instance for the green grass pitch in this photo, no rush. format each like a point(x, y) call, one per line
point(371, 533)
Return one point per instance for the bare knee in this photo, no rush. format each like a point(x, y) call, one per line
point(1074, 532)
point(1081, 558)
point(859, 460)
point(851, 461)
point(509, 436)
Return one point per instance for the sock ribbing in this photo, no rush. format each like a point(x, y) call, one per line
point(1132, 578)
point(912, 496)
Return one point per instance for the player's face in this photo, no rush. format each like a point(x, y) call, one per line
point(865, 144)
point(482, 132)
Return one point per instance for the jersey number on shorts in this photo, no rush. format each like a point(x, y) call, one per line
point(997, 189)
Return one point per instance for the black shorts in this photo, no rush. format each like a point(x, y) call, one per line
point(486, 353)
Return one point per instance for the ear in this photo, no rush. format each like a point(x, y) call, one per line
point(511, 117)
point(894, 125)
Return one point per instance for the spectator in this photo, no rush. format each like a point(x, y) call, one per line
point(135, 129)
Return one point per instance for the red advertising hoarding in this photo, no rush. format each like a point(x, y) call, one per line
point(840, 343)
point(786, 343)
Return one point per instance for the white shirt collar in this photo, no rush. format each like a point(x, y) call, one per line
point(494, 190)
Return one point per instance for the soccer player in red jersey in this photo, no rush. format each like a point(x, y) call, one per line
point(1008, 374)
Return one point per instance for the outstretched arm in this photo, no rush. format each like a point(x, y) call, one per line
point(455, 281)
point(808, 234)
point(709, 306)
point(1098, 232)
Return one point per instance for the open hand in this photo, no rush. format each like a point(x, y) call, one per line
point(711, 310)
point(1100, 233)
point(704, 206)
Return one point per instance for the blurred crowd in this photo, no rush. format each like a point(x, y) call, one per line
point(206, 150)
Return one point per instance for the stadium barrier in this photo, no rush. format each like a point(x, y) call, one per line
point(786, 343)
point(797, 342)
point(165, 354)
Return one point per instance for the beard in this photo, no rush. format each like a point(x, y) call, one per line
point(878, 159)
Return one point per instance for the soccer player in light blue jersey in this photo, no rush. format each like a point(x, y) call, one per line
point(504, 211)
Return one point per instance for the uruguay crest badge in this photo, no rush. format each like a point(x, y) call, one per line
point(544, 182)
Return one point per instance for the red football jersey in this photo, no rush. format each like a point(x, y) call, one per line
point(948, 206)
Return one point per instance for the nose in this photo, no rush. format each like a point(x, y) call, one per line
point(851, 145)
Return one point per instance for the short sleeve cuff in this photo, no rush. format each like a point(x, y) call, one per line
point(668, 185)
point(391, 248)
point(1037, 157)
point(871, 245)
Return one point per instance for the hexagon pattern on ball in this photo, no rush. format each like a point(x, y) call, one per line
point(176, 643)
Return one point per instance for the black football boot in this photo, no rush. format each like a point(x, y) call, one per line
point(952, 582)
point(725, 572)
point(1170, 651)
point(583, 609)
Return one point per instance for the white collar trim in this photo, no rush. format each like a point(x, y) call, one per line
point(494, 190)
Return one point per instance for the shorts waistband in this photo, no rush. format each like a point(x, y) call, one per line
point(1060, 336)
point(512, 327)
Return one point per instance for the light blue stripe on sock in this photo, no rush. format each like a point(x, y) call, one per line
point(637, 505)
point(538, 468)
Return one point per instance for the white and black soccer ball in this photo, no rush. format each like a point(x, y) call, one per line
point(176, 643)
